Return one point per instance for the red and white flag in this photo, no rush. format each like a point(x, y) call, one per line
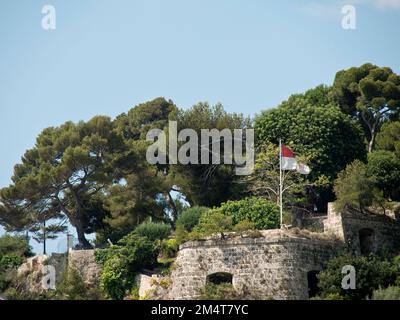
point(289, 161)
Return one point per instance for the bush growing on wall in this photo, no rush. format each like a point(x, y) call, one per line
point(212, 222)
point(240, 216)
point(122, 262)
point(114, 280)
point(261, 213)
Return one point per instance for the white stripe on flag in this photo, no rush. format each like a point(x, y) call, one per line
point(289, 163)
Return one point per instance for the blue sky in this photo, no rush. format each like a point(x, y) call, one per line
point(106, 56)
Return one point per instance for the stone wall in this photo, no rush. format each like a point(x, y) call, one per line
point(274, 266)
point(348, 225)
point(85, 263)
point(31, 272)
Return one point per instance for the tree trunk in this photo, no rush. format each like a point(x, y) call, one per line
point(371, 142)
point(44, 237)
point(83, 242)
point(173, 206)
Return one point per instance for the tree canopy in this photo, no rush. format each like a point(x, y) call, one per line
point(69, 166)
point(202, 184)
point(325, 136)
point(369, 93)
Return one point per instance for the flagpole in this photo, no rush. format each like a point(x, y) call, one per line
point(280, 183)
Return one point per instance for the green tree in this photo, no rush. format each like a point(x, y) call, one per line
point(133, 202)
point(142, 190)
point(43, 232)
point(135, 124)
point(389, 137)
point(264, 181)
point(16, 245)
point(208, 185)
point(68, 166)
point(369, 93)
point(355, 189)
point(320, 132)
point(384, 167)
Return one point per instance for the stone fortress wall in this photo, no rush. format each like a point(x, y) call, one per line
point(280, 264)
point(275, 266)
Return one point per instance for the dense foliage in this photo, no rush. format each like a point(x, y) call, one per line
point(372, 273)
point(208, 184)
point(384, 166)
point(262, 213)
point(13, 251)
point(190, 217)
point(153, 231)
point(390, 293)
point(355, 189)
point(370, 94)
point(122, 262)
point(315, 128)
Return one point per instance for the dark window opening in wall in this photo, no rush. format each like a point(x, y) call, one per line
point(366, 241)
point(312, 282)
point(220, 278)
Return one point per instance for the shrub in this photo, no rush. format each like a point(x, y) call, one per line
point(223, 291)
point(114, 280)
point(72, 286)
point(7, 278)
point(13, 251)
point(139, 252)
point(371, 274)
point(122, 262)
point(153, 231)
point(212, 222)
point(262, 213)
point(390, 293)
point(181, 235)
point(169, 248)
point(11, 260)
point(330, 296)
point(102, 255)
point(189, 218)
point(15, 244)
point(246, 228)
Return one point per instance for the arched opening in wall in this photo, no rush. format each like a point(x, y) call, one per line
point(312, 283)
point(220, 278)
point(366, 241)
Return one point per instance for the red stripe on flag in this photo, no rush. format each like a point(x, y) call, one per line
point(286, 152)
